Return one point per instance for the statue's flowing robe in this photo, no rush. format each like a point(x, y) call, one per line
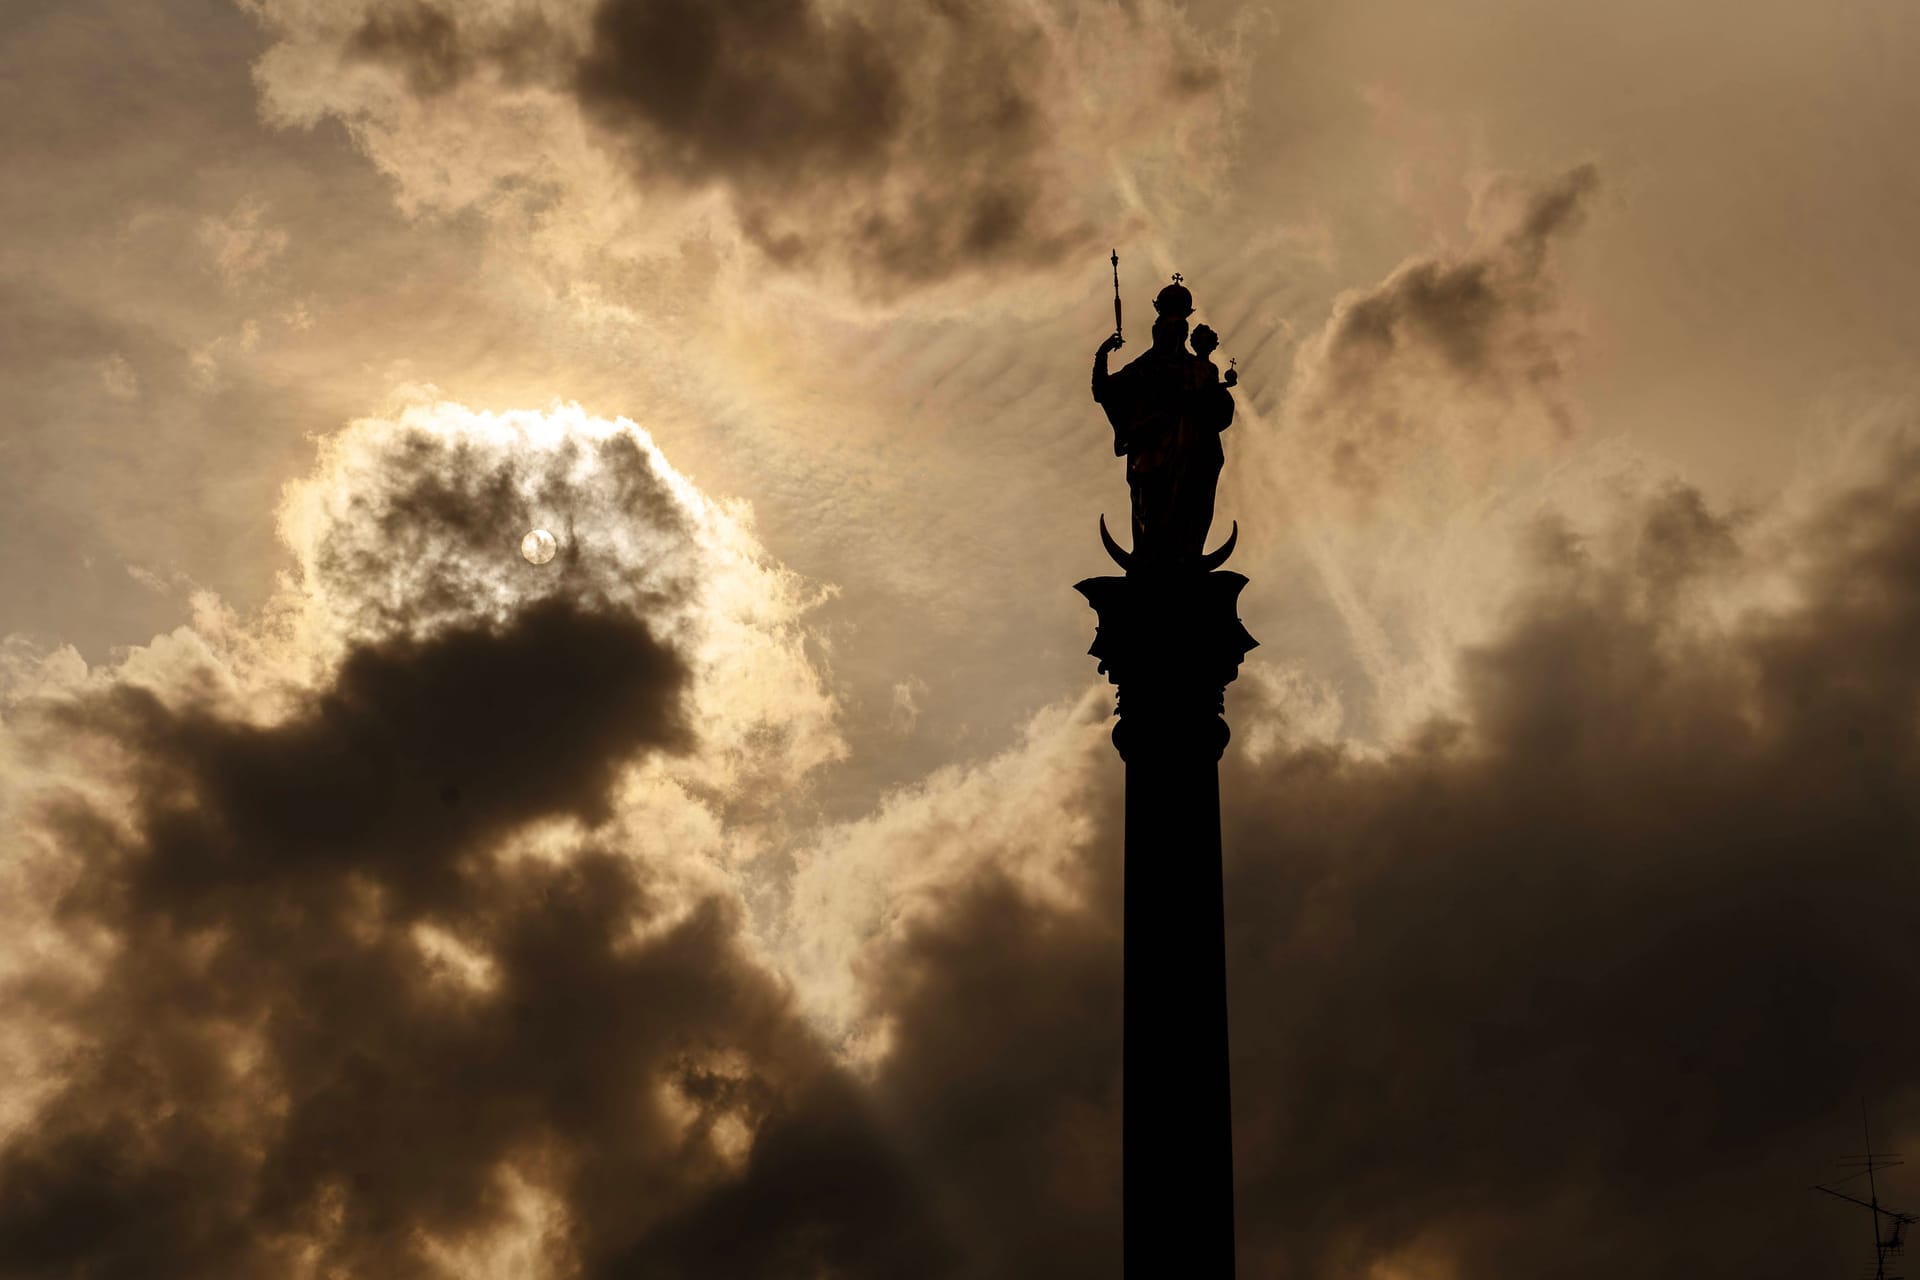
point(1168, 409)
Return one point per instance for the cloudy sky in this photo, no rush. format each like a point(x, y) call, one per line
point(737, 894)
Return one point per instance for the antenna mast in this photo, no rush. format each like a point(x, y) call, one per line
point(1893, 1241)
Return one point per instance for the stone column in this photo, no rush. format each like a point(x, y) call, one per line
point(1171, 641)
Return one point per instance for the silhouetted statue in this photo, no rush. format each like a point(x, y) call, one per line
point(1168, 408)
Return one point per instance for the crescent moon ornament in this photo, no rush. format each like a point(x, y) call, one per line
point(1122, 558)
point(1208, 563)
point(1217, 557)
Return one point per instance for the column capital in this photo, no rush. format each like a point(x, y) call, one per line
point(1171, 643)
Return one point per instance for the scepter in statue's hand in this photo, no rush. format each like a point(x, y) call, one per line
point(1100, 376)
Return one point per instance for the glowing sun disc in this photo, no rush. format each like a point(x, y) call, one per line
point(538, 546)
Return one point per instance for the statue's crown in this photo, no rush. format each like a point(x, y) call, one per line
point(1174, 300)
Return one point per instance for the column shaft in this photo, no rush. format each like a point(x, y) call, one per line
point(1177, 1144)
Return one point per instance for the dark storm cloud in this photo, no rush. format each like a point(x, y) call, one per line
point(266, 902)
point(372, 961)
point(416, 751)
point(908, 142)
point(742, 87)
point(435, 52)
point(1588, 981)
point(1594, 982)
point(358, 986)
point(419, 38)
point(275, 875)
point(926, 114)
point(821, 1195)
point(1004, 1072)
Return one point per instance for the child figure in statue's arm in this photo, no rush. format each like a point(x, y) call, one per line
point(1215, 398)
point(1204, 341)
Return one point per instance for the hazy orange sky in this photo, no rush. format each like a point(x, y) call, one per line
point(737, 894)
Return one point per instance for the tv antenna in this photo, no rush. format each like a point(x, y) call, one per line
point(1889, 1226)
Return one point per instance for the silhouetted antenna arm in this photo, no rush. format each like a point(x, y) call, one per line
point(1851, 1199)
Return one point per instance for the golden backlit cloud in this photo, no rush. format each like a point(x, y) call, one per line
point(311, 827)
point(412, 523)
point(884, 146)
